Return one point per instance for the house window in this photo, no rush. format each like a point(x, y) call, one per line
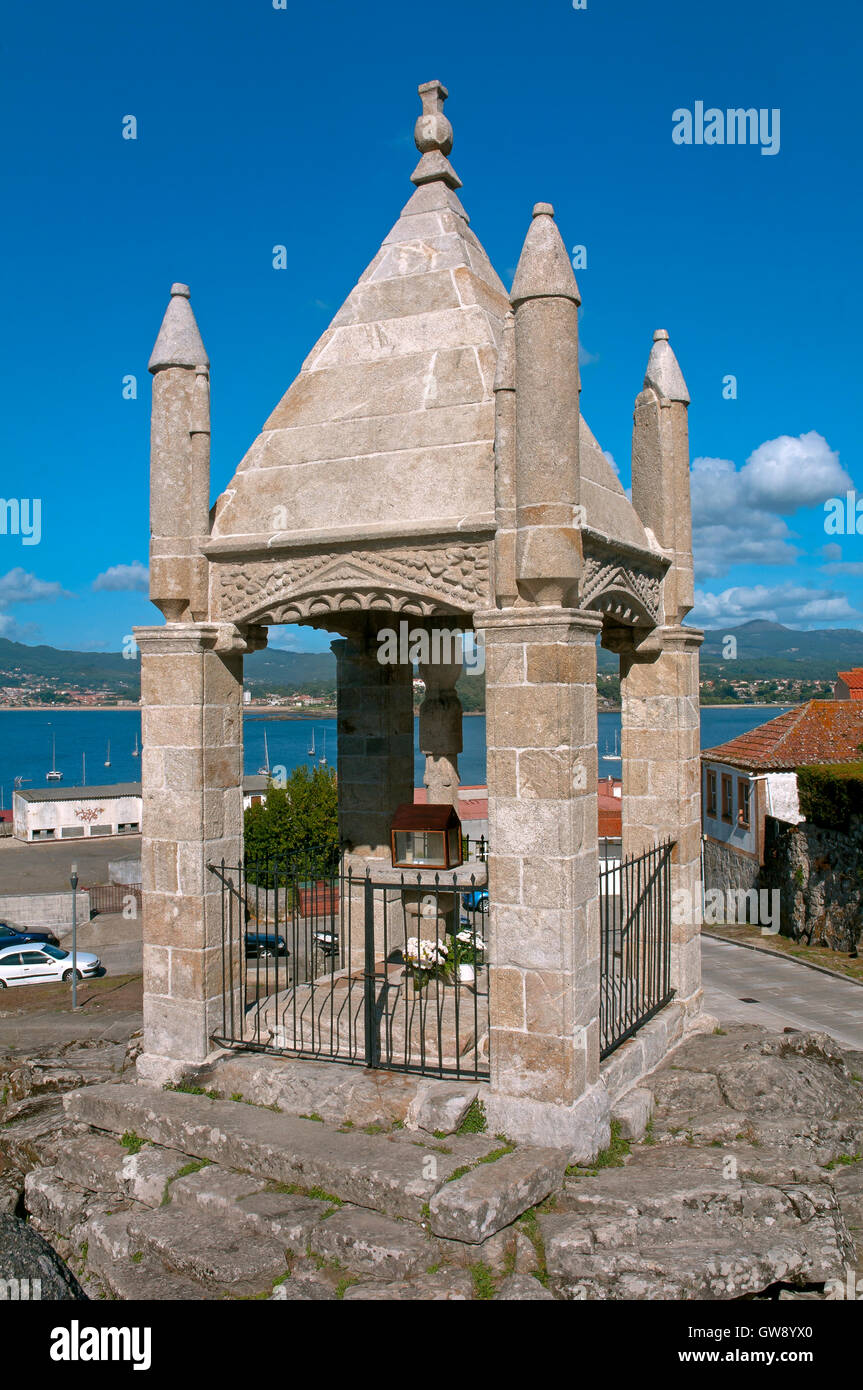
point(743, 793)
point(711, 793)
point(71, 832)
point(128, 828)
point(727, 799)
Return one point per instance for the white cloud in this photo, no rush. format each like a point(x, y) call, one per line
point(852, 567)
point(16, 632)
point(19, 586)
point(757, 539)
point(737, 513)
point(786, 474)
point(781, 603)
point(611, 459)
point(134, 578)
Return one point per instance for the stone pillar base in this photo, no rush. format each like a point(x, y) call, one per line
point(583, 1129)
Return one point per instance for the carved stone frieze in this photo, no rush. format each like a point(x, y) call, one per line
point(423, 580)
point(622, 589)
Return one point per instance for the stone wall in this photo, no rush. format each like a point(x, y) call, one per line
point(819, 875)
point(43, 911)
point(724, 868)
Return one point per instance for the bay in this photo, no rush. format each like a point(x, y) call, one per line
point(82, 737)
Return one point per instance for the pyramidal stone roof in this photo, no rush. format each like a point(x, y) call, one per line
point(389, 427)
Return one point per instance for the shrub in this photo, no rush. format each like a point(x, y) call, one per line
point(831, 794)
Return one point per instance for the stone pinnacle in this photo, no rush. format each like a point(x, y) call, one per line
point(663, 370)
point(544, 268)
point(179, 342)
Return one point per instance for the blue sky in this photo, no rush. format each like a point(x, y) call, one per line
point(259, 126)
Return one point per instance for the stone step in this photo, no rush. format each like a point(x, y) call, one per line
point(130, 1272)
point(342, 1094)
point(213, 1253)
point(364, 1242)
point(395, 1174)
point(246, 1204)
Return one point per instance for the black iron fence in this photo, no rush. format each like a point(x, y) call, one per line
point(635, 942)
point(116, 897)
point(386, 972)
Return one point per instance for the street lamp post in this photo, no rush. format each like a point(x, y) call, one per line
point(74, 882)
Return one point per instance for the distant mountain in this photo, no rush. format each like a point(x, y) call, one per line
point(763, 650)
point(769, 649)
point(766, 650)
point(20, 665)
point(111, 671)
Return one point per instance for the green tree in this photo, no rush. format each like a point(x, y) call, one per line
point(298, 824)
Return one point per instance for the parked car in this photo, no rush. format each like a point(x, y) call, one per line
point(259, 943)
point(13, 936)
point(477, 901)
point(40, 965)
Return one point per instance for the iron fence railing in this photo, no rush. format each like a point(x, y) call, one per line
point(635, 942)
point(386, 972)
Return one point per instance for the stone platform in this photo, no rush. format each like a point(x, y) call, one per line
point(438, 1025)
point(748, 1183)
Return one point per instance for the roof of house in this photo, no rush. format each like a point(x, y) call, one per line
point(251, 783)
point(821, 731)
point(853, 679)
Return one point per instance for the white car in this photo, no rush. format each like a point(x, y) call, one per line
point(37, 965)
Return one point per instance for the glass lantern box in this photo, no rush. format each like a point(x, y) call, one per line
point(426, 837)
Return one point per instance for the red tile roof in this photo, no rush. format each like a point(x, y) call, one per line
point(821, 731)
point(853, 680)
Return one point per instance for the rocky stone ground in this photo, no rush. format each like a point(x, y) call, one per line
point(748, 1181)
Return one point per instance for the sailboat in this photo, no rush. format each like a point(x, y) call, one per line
point(322, 760)
point(108, 757)
point(615, 756)
point(312, 745)
point(54, 775)
point(136, 750)
point(265, 770)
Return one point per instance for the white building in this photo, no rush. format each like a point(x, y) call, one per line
point(75, 813)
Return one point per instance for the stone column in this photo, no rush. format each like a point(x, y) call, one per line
point(661, 763)
point(544, 927)
point(376, 742)
point(440, 731)
point(192, 773)
point(375, 768)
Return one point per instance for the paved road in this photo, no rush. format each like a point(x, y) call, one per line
point(44, 867)
point(787, 995)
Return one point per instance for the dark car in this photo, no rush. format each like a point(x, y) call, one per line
point(17, 936)
point(260, 943)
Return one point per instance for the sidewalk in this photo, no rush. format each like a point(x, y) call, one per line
point(785, 994)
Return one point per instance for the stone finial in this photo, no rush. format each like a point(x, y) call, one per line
point(179, 342)
point(433, 138)
point(544, 269)
point(663, 370)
